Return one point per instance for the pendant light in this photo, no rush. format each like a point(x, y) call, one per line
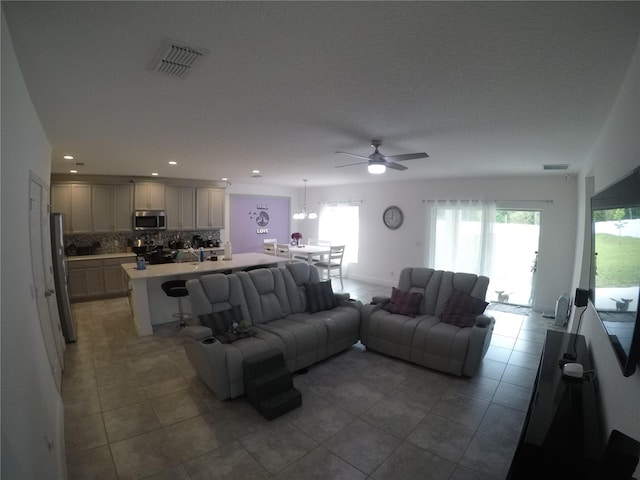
point(301, 215)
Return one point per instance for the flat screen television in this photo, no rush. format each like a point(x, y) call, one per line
point(615, 266)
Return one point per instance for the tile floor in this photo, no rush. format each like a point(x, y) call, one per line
point(135, 409)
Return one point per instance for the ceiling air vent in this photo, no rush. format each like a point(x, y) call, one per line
point(175, 59)
point(555, 166)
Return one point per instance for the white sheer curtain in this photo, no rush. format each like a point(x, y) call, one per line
point(462, 235)
point(340, 224)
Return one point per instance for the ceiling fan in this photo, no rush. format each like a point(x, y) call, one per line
point(378, 163)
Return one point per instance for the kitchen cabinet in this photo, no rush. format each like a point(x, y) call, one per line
point(74, 202)
point(209, 208)
point(180, 207)
point(99, 278)
point(149, 196)
point(115, 278)
point(85, 279)
point(111, 207)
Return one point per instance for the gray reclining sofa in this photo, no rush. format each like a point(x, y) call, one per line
point(438, 321)
point(288, 311)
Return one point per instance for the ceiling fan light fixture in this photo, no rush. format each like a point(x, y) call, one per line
point(376, 168)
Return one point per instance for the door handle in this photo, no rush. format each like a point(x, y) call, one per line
point(49, 292)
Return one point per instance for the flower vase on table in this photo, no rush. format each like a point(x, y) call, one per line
point(296, 237)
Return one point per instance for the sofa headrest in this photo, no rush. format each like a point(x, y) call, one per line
point(303, 273)
point(215, 285)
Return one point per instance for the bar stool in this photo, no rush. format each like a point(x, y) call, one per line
point(178, 289)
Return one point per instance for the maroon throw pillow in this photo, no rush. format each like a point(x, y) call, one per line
point(404, 303)
point(462, 309)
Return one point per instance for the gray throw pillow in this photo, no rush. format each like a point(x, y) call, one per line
point(320, 296)
point(220, 322)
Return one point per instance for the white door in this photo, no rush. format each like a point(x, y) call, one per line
point(40, 244)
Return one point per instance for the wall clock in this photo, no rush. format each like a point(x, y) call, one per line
point(393, 217)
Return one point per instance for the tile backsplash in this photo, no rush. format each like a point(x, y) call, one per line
point(96, 243)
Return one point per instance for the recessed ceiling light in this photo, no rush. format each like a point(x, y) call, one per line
point(172, 162)
point(68, 157)
point(155, 174)
point(255, 171)
point(73, 171)
point(224, 179)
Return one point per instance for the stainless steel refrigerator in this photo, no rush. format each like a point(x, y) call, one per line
point(61, 278)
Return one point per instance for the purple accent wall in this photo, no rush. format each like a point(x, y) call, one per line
point(254, 218)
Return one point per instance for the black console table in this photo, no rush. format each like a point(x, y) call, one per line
point(561, 437)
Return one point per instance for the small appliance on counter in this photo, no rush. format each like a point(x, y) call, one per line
point(197, 241)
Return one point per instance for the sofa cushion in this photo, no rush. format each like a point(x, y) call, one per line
point(320, 296)
point(404, 303)
point(462, 309)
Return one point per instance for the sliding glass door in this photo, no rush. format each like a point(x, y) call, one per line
point(475, 237)
point(517, 233)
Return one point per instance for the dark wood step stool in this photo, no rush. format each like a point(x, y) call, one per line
point(268, 384)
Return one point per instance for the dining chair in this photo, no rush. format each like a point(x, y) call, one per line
point(333, 262)
point(269, 248)
point(282, 250)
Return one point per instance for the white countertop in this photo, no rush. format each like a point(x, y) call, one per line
point(101, 256)
point(239, 261)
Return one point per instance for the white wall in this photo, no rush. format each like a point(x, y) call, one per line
point(383, 252)
point(616, 153)
point(32, 411)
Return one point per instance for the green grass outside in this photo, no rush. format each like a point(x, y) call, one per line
point(618, 261)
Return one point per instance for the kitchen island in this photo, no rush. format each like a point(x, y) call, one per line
point(152, 307)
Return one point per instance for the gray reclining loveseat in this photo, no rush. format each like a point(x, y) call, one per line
point(435, 320)
point(288, 310)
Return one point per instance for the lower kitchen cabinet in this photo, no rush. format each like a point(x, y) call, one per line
point(115, 280)
point(100, 278)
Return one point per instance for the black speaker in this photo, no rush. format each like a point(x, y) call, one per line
point(582, 297)
point(620, 457)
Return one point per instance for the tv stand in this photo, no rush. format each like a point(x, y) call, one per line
point(561, 437)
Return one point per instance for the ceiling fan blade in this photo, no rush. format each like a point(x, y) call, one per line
point(351, 164)
point(406, 156)
point(395, 166)
point(353, 155)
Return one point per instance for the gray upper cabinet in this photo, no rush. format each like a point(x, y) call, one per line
point(209, 208)
point(149, 196)
point(74, 202)
point(180, 207)
point(111, 207)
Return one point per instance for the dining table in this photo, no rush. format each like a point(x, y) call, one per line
point(309, 252)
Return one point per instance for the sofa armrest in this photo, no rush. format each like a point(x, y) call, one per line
point(483, 319)
point(380, 299)
point(342, 297)
point(351, 302)
point(196, 332)
point(479, 341)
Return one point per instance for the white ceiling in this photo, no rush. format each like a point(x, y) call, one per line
point(487, 89)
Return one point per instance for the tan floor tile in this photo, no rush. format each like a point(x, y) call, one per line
point(144, 455)
point(93, 464)
point(129, 421)
point(177, 406)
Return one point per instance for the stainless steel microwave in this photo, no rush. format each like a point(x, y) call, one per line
point(149, 220)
